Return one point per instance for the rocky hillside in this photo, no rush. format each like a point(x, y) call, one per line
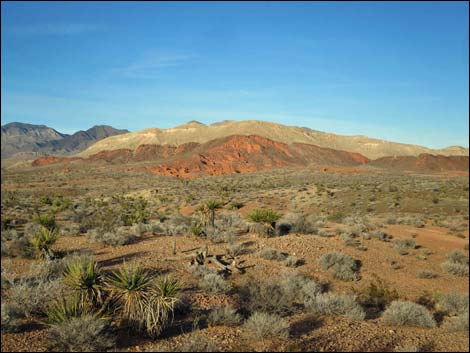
point(19, 137)
point(200, 133)
point(423, 162)
point(22, 141)
point(228, 155)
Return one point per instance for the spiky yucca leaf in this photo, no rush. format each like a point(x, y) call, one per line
point(65, 309)
point(168, 287)
point(44, 239)
point(85, 278)
point(130, 287)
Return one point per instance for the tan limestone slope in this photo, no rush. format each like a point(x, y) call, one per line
point(200, 133)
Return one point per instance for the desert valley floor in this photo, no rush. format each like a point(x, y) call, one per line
point(399, 230)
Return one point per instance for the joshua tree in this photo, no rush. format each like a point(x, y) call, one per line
point(207, 210)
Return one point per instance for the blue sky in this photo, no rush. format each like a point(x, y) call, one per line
point(397, 71)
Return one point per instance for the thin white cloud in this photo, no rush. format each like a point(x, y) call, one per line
point(151, 64)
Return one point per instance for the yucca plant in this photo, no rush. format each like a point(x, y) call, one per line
point(75, 328)
point(84, 277)
point(65, 309)
point(43, 240)
point(47, 221)
point(130, 287)
point(207, 210)
point(145, 303)
point(267, 217)
point(197, 230)
point(160, 305)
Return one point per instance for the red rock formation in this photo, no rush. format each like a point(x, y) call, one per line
point(241, 154)
point(47, 160)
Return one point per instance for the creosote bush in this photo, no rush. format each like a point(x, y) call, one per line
point(334, 304)
point(82, 334)
point(225, 315)
point(456, 264)
point(214, 283)
point(264, 325)
point(344, 267)
point(405, 313)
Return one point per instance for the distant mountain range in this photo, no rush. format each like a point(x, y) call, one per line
point(194, 149)
point(196, 132)
point(27, 141)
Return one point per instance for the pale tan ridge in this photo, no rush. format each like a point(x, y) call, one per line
point(196, 132)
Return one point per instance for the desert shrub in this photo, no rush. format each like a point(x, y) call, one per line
point(231, 222)
point(84, 277)
point(402, 245)
point(6, 223)
point(298, 223)
point(344, 266)
point(11, 317)
point(405, 348)
point(336, 217)
point(456, 263)
point(195, 342)
point(453, 303)
point(426, 274)
point(71, 230)
point(273, 254)
point(133, 211)
point(235, 250)
point(264, 325)
point(378, 234)
point(405, 313)
point(213, 283)
point(297, 288)
point(267, 297)
point(225, 315)
point(86, 333)
point(235, 205)
point(32, 295)
point(376, 296)
point(218, 236)
point(177, 225)
point(460, 322)
point(333, 304)
point(19, 246)
point(292, 261)
point(119, 237)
